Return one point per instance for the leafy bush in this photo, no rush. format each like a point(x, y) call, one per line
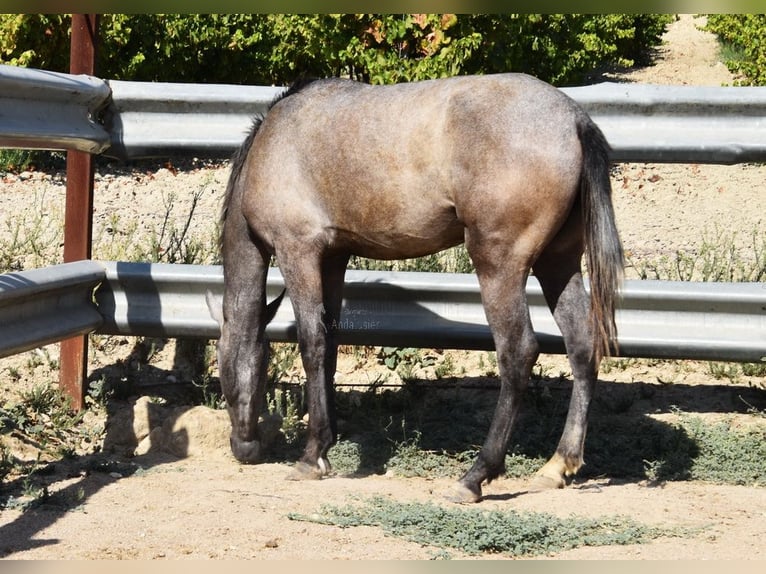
point(265, 49)
point(741, 36)
point(562, 48)
point(35, 40)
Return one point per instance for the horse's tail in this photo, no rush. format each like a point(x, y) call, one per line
point(605, 258)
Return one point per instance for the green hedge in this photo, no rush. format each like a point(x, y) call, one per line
point(743, 37)
point(266, 49)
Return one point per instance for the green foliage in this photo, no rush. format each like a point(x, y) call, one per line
point(377, 48)
point(717, 258)
point(16, 160)
point(19, 160)
point(476, 531)
point(404, 360)
point(742, 39)
point(562, 48)
point(202, 48)
point(725, 454)
point(265, 49)
point(392, 48)
point(419, 430)
point(35, 40)
point(43, 416)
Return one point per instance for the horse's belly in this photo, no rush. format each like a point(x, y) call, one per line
point(395, 242)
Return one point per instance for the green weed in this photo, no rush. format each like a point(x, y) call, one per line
point(32, 237)
point(287, 402)
point(405, 360)
point(477, 531)
point(725, 454)
point(718, 258)
point(284, 359)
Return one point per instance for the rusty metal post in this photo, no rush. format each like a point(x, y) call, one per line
point(78, 219)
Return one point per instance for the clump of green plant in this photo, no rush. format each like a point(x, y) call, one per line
point(7, 461)
point(287, 403)
point(735, 371)
point(404, 360)
point(725, 454)
point(211, 395)
point(488, 367)
point(477, 531)
point(409, 459)
point(445, 368)
point(717, 258)
point(32, 236)
point(174, 242)
point(283, 359)
point(20, 160)
point(15, 160)
point(43, 416)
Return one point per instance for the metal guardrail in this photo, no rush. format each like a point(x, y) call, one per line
point(47, 305)
point(660, 319)
point(151, 119)
point(678, 124)
point(643, 123)
point(49, 110)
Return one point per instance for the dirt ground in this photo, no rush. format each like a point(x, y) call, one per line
point(182, 496)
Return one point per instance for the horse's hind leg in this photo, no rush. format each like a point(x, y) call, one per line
point(503, 292)
point(558, 270)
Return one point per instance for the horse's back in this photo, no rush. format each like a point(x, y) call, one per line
point(399, 169)
point(422, 130)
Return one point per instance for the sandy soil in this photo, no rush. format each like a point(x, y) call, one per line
point(199, 503)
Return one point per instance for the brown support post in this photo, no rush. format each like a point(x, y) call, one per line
point(78, 219)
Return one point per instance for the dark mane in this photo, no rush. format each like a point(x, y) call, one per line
point(238, 159)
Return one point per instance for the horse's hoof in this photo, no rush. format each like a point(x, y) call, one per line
point(461, 494)
point(305, 471)
point(546, 482)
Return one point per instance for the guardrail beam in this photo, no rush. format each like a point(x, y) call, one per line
point(44, 306)
point(51, 110)
point(706, 321)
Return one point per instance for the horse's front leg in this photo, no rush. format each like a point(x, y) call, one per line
point(316, 291)
point(243, 347)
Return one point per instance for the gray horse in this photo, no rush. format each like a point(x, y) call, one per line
point(505, 163)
